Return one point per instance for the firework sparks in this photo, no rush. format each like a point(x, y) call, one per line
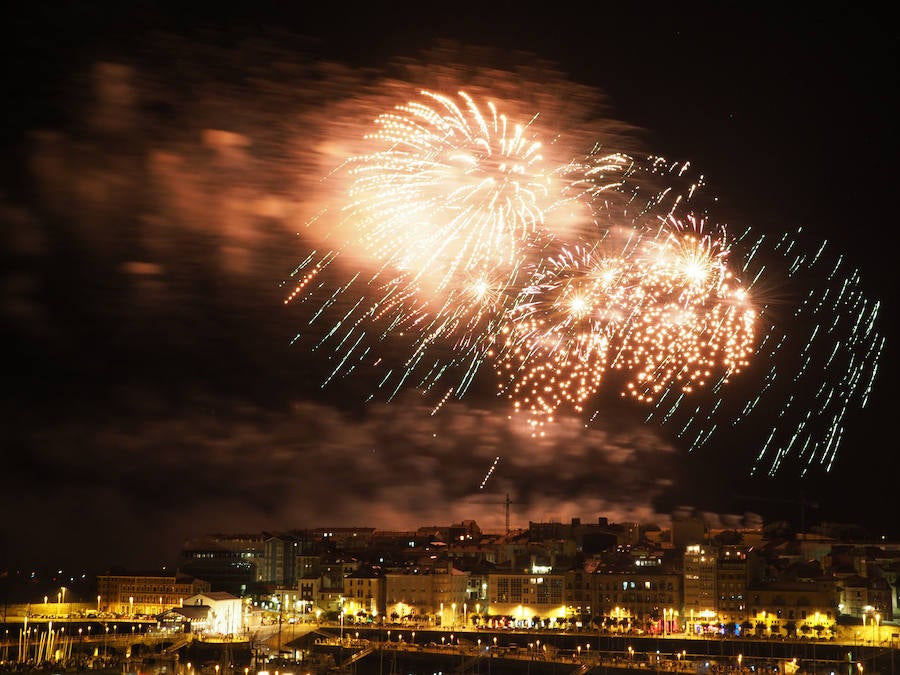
point(568, 275)
point(664, 310)
point(833, 329)
point(448, 202)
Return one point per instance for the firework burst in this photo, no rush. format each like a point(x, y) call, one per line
point(466, 239)
point(692, 319)
point(448, 202)
point(660, 306)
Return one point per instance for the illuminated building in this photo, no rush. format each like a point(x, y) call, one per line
point(134, 594)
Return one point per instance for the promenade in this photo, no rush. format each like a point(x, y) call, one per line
point(581, 653)
point(135, 646)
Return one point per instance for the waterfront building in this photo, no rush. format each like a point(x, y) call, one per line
point(449, 603)
point(640, 597)
point(700, 590)
point(526, 599)
point(409, 595)
point(793, 607)
point(308, 589)
point(134, 594)
point(225, 614)
point(364, 594)
point(732, 577)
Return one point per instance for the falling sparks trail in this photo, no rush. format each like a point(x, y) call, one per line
point(490, 471)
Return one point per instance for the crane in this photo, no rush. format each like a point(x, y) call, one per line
point(506, 502)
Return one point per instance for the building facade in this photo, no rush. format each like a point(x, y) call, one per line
point(145, 594)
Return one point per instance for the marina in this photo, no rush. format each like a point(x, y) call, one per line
point(137, 648)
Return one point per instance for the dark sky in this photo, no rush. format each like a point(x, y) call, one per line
point(156, 171)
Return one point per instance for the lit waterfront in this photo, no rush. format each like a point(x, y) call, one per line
point(587, 651)
point(132, 646)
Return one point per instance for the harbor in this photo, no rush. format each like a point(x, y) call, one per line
point(320, 649)
point(146, 647)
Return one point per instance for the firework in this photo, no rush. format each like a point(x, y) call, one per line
point(464, 238)
point(692, 320)
point(662, 307)
point(828, 345)
point(448, 193)
point(448, 203)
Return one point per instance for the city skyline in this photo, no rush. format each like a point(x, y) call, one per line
point(757, 565)
point(159, 164)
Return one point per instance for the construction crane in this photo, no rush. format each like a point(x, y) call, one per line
point(801, 501)
point(506, 503)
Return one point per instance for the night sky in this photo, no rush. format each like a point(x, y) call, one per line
point(158, 166)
